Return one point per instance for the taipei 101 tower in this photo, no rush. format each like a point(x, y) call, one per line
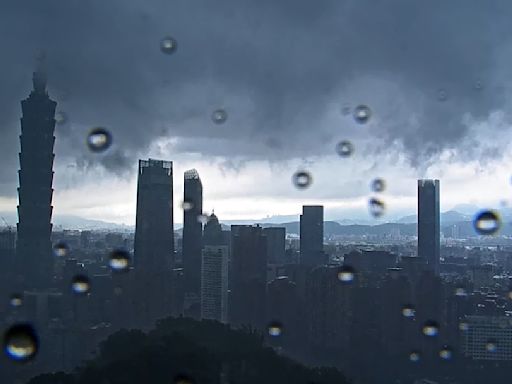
point(34, 248)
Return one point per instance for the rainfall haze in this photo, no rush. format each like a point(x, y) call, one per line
point(436, 76)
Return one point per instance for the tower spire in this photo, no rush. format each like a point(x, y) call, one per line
point(39, 76)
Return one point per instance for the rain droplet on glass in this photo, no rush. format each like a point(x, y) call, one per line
point(16, 300)
point(99, 140)
point(446, 353)
point(491, 346)
point(414, 356)
point(345, 110)
point(460, 291)
point(275, 329)
point(345, 148)
point(21, 342)
point(376, 207)
point(378, 185)
point(187, 205)
point(346, 274)
point(168, 45)
point(302, 179)
point(487, 222)
point(61, 117)
point(219, 116)
point(408, 311)
point(61, 249)
point(463, 326)
point(119, 260)
point(203, 219)
point(430, 328)
point(362, 114)
point(442, 94)
point(80, 284)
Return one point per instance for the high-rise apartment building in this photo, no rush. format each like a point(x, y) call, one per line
point(214, 283)
point(429, 223)
point(312, 235)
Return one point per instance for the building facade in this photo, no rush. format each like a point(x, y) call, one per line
point(429, 223)
point(312, 235)
point(214, 283)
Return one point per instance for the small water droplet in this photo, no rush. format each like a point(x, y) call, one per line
point(99, 140)
point(275, 329)
point(446, 353)
point(463, 326)
point(61, 118)
point(21, 342)
point(478, 86)
point(408, 311)
point(362, 114)
point(119, 260)
point(80, 284)
point(187, 205)
point(346, 274)
point(430, 328)
point(345, 148)
point(442, 94)
point(168, 45)
point(16, 300)
point(302, 179)
point(203, 219)
point(414, 356)
point(378, 185)
point(376, 207)
point(491, 346)
point(219, 116)
point(460, 291)
point(61, 249)
point(345, 110)
point(487, 222)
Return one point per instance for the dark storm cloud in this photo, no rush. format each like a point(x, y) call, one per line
point(275, 66)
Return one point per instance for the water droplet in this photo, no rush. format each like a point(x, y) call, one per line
point(119, 260)
point(345, 148)
point(61, 249)
point(491, 346)
point(61, 118)
point(168, 45)
point(430, 328)
point(442, 94)
point(378, 185)
point(219, 116)
point(376, 207)
point(16, 300)
point(414, 356)
point(275, 329)
point(21, 342)
point(345, 110)
point(99, 140)
point(187, 205)
point(80, 284)
point(460, 291)
point(346, 274)
point(302, 179)
point(478, 86)
point(463, 326)
point(362, 114)
point(408, 311)
point(446, 353)
point(203, 219)
point(487, 222)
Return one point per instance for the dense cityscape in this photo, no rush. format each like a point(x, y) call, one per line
point(394, 303)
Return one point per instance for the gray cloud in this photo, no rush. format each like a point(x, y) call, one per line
point(279, 68)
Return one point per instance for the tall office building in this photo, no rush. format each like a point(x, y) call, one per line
point(248, 276)
point(214, 283)
point(275, 244)
point(34, 248)
point(312, 235)
point(154, 238)
point(192, 241)
point(213, 233)
point(429, 223)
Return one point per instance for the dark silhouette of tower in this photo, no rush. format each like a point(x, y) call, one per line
point(275, 244)
point(429, 223)
point(34, 249)
point(312, 235)
point(192, 241)
point(154, 239)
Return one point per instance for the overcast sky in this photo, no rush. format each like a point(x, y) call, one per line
point(435, 74)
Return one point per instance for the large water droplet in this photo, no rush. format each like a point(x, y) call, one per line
point(202, 218)
point(119, 260)
point(487, 222)
point(302, 179)
point(446, 353)
point(460, 291)
point(414, 356)
point(430, 328)
point(378, 185)
point(442, 94)
point(346, 274)
point(61, 118)
point(491, 346)
point(275, 329)
point(345, 148)
point(187, 205)
point(345, 110)
point(463, 326)
point(16, 300)
point(21, 342)
point(80, 284)
point(99, 140)
point(219, 116)
point(60, 249)
point(168, 45)
point(376, 207)
point(362, 114)
point(408, 311)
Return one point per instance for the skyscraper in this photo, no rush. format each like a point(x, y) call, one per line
point(429, 223)
point(154, 238)
point(34, 249)
point(275, 244)
point(192, 240)
point(248, 276)
point(214, 283)
point(312, 235)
